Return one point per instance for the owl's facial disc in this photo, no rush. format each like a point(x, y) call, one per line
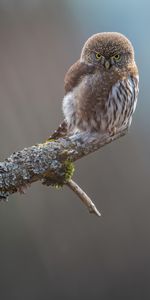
point(107, 62)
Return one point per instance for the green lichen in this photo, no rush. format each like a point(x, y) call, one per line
point(68, 170)
point(42, 145)
point(49, 140)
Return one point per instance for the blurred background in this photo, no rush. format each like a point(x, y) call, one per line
point(50, 247)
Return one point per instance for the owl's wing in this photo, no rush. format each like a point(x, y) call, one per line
point(75, 74)
point(72, 78)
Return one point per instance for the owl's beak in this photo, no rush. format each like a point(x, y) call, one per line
point(107, 64)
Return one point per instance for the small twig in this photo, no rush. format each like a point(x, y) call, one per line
point(84, 197)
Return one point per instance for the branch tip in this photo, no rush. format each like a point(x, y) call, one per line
point(83, 197)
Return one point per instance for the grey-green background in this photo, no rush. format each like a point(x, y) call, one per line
point(50, 247)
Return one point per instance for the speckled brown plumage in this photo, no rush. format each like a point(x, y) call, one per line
point(101, 88)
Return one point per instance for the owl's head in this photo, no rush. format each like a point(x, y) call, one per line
point(108, 49)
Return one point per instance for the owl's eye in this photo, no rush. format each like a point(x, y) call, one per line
point(98, 56)
point(117, 57)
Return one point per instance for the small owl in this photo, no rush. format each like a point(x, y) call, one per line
point(101, 88)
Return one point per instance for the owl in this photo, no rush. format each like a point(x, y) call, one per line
point(101, 88)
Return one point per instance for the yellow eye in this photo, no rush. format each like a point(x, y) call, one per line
point(117, 57)
point(98, 56)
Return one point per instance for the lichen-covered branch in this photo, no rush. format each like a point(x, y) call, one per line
point(49, 162)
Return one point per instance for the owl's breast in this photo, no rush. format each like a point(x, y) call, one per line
point(98, 103)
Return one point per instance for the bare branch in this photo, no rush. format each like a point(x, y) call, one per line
point(84, 197)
